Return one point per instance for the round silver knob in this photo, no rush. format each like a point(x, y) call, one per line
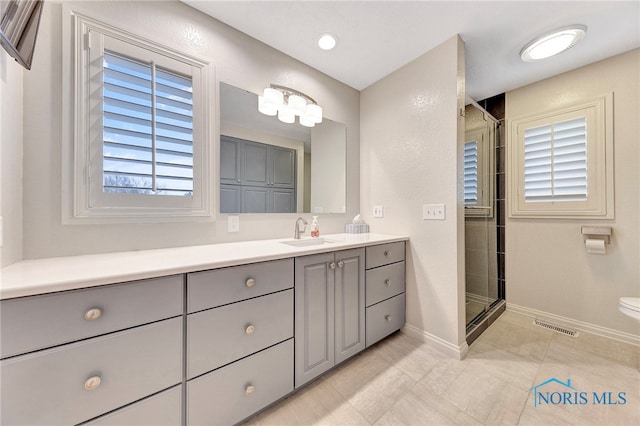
point(249, 330)
point(387, 253)
point(340, 264)
point(332, 265)
point(250, 282)
point(249, 390)
point(387, 282)
point(387, 317)
point(238, 180)
point(93, 314)
point(92, 382)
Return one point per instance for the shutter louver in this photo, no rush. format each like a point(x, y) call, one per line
point(555, 162)
point(471, 173)
point(148, 129)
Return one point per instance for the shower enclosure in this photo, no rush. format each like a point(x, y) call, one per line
point(484, 213)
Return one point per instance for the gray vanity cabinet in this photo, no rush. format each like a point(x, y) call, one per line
point(69, 357)
point(329, 313)
point(239, 340)
point(385, 299)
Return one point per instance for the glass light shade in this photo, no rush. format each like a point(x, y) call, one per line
point(266, 109)
point(314, 112)
point(297, 104)
point(286, 115)
point(307, 121)
point(553, 43)
point(273, 97)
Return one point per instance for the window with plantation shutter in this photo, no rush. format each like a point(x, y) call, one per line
point(555, 161)
point(471, 173)
point(562, 162)
point(147, 129)
point(142, 119)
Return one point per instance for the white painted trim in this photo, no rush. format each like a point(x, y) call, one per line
point(472, 297)
point(575, 324)
point(436, 342)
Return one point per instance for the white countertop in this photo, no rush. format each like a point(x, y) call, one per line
point(31, 277)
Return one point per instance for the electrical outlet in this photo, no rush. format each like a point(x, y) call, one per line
point(377, 211)
point(233, 223)
point(433, 212)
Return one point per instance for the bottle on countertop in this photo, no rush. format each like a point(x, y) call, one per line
point(315, 227)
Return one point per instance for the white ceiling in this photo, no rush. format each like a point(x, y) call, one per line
point(377, 37)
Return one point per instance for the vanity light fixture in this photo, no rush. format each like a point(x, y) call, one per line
point(553, 43)
point(327, 41)
point(288, 103)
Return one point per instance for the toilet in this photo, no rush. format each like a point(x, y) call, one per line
point(630, 306)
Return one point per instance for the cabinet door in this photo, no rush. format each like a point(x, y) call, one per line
point(230, 198)
point(230, 172)
point(282, 200)
point(314, 313)
point(282, 162)
point(349, 303)
point(254, 164)
point(255, 199)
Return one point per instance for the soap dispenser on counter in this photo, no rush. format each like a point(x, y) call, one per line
point(315, 227)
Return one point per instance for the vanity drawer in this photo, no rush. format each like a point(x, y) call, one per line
point(163, 409)
point(54, 386)
point(383, 254)
point(222, 335)
point(218, 287)
point(384, 318)
point(233, 393)
point(42, 321)
point(384, 282)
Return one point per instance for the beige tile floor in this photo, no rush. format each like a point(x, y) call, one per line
point(404, 382)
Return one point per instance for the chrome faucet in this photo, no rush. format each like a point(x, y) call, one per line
point(296, 232)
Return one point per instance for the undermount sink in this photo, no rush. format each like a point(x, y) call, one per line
point(304, 242)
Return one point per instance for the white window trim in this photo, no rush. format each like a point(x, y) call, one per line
point(76, 133)
point(600, 200)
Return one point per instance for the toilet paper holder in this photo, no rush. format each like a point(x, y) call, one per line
point(596, 233)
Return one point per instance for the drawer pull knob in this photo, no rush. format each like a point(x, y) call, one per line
point(387, 253)
point(249, 390)
point(387, 317)
point(249, 330)
point(332, 265)
point(92, 383)
point(340, 264)
point(250, 282)
point(387, 282)
point(93, 314)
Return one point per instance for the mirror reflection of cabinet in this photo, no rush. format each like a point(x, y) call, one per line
point(256, 177)
point(319, 180)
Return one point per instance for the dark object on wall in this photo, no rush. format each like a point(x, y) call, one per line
point(19, 28)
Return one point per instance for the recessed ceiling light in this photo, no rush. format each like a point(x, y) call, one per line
point(327, 41)
point(553, 43)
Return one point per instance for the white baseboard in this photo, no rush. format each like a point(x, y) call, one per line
point(578, 325)
point(436, 342)
point(472, 297)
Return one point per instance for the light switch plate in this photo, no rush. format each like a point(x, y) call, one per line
point(433, 212)
point(378, 211)
point(233, 224)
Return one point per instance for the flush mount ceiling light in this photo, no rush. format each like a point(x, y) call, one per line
point(287, 103)
point(553, 43)
point(327, 41)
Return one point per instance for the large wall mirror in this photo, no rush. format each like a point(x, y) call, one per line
point(267, 166)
